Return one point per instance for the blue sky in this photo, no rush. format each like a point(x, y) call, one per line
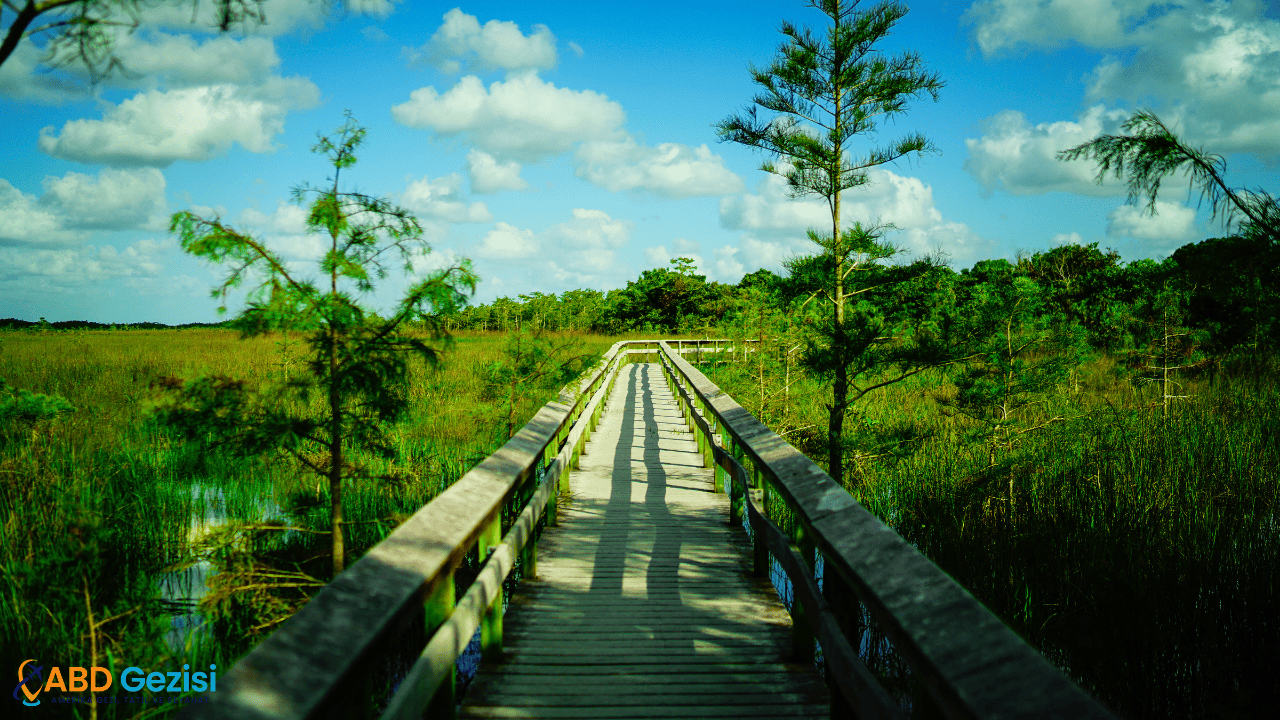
point(566, 145)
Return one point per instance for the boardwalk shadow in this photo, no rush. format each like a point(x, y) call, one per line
point(642, 600)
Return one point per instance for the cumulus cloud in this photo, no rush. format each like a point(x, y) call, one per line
point(24, 221)
point(83, 265)
point(1005, 24)
point(580, 250)
point(777, 226)
point(156, 128)
point(523, 117)
point(660, 256)
point(488, 175)
point(507, 243)
point(441, 198)
point(113, 200)
point(461, 41)
point(1214, 65)
point(181, 61)
point(1072, 238)
point(590, 230)
point(283, 16)
point(284, 231)
point(22, 79)
point(1173, 222)
point(1014, 156)
point(670, 170)
point(150, 52)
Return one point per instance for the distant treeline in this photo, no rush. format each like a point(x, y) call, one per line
point(1224, 290)
point(42, 324)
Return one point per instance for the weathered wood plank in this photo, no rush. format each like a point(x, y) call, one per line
point(642, 587)
point(971, 663)
point(317, 663)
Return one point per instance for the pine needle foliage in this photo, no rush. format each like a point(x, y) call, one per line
point(823, 92)
point(357, 367)
point(1151, 152)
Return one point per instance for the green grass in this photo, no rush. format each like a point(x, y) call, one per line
point(1140, 552)
point(98, 503)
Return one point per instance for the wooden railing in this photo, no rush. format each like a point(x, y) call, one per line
point(330, 659)
point(967, 663)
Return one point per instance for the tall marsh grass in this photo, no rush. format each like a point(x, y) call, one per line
point(1139, 552)
point(100, 504)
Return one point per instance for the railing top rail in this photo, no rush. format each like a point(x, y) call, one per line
point(973, 665)
point(300, 669)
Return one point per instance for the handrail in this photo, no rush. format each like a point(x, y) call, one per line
point(971, 664)
point(314, 665)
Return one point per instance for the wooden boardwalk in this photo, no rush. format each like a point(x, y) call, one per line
point(644, 605)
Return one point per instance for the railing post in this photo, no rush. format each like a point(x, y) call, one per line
point(564, 483)
point(760, 565)
point(438, 609)
point(846, 610)
point(708, 454)
point(802, 637)
point(717, 482)
point(736, 510)
point(491, 622)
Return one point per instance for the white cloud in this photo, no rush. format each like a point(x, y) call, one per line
point(581, 250)
point(488, 175)
point(440, 198)
point(380, 9)
point(778, 225)
point(770, 212)
point(1005, 24)
point(589, 230)
point(576, 48)
point(657, 256)
point(84, 265)
point(23, 220)
point(114, 200)
point(22, 79)
point(151, 52)
point(497, 45)
point(507, 243)
point(1020, 159)
point(111, 200)
point(660, 256)
point(1212, 68)
point(1072, 238)
point(522, 117)
point(284, 231)
point(181, 61)
point(752, 253)
point(283, 16)
point(727, 268)
point(670, 170)
point(1173, 222)
point(156, 128)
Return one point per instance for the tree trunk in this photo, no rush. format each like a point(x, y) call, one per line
point(335, 430)
point(16, 30)
point(840, 390)
point(335, 459)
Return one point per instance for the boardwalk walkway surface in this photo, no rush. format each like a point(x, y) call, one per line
point(644, 605)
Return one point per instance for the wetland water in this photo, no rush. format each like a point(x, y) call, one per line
point(182, 590)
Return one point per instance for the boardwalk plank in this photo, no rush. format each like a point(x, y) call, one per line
point(642, 606)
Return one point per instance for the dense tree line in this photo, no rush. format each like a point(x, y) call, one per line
point(1223, 293)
